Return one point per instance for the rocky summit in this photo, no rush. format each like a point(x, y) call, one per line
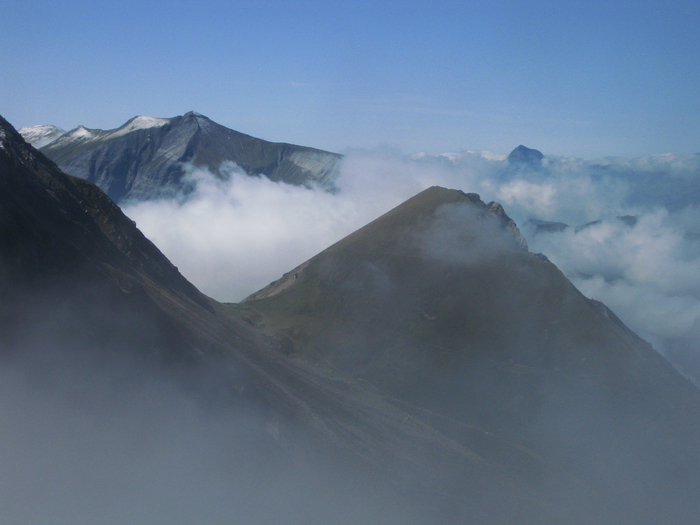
point(527, 156)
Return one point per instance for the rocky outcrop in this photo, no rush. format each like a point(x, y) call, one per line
point(508, 224)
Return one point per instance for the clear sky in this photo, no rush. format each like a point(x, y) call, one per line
point(586, 79)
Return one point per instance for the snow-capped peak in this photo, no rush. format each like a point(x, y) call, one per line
point(40, 136)
point(79, 134)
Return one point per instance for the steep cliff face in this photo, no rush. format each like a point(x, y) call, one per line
point(148, 157)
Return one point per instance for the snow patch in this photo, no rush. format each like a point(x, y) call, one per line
point(137, 123)
point(81, 132)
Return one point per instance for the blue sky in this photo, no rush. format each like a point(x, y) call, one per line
point(584, 79)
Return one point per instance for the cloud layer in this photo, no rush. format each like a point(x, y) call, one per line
point(235, 235)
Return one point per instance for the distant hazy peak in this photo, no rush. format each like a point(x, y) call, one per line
point(145, 158)
point(524, 155)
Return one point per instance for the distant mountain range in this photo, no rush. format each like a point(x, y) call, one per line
point(148, 157)
point(429, 349)
point(672, 181)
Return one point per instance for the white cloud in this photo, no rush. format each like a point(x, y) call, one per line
point(233, 237)
point(536, 198)
point(647, 274)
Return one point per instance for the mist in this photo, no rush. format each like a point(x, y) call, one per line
point(111, 442)
point(235, 234)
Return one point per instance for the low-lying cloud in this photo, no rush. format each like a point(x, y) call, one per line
point(234, 236)
point(647, 273)
point(461, 234)
point(115, 445)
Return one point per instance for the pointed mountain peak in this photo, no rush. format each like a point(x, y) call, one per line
point(194, 114)
point(433, 204)
point(446, 226)
point(524, 155)
point(82, 131)
point(145, 157)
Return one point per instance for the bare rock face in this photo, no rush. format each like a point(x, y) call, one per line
point(508, 223)
point(148, 157)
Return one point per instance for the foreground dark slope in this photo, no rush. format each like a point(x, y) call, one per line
point(146, 158)
point(440, 306)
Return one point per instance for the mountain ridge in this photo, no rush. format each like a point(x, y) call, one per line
point(147, 157)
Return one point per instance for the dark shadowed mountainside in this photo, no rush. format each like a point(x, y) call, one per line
point(147, 157)
point(440, 306)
